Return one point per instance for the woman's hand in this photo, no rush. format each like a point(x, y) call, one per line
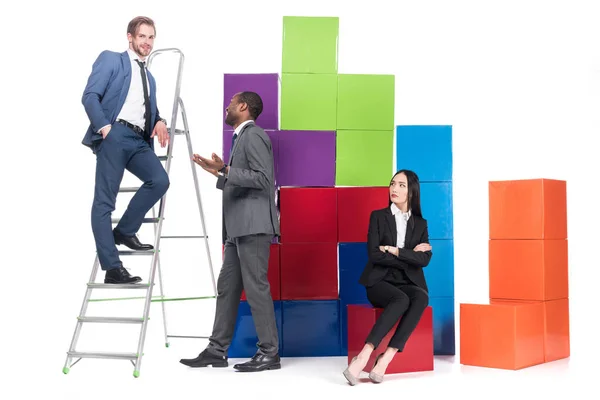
point(422, 247)
point(390, 249)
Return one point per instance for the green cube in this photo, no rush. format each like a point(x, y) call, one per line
point(364, 158)
point(366, 102)
point(310, 45)
point(308, 102)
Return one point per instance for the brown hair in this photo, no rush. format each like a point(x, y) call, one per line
point(135, 24)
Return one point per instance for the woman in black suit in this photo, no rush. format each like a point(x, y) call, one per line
point(398, 246)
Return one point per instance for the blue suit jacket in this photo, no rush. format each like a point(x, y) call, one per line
point(106, 91)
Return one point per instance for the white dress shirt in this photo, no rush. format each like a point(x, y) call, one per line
point(133, 109)
point(401, 221)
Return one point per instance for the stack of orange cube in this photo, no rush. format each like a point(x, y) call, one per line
point(527, 319)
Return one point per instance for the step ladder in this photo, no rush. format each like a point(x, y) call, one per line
point(157, 221)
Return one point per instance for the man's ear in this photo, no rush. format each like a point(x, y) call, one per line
point(244, 106)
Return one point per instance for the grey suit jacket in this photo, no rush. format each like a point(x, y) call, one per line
point(249, 189)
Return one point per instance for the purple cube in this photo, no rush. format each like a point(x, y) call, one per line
point(306, 158)
point(267, 87)
point(273, 135)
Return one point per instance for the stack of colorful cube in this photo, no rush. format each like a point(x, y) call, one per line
point(527, 320)
point(427, 150)
point(334, 150)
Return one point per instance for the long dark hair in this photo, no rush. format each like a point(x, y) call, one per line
point(414, 191)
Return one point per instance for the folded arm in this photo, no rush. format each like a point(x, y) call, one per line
point(376, 256)
point(416, 258)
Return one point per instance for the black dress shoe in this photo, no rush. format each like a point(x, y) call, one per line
point(120, 275)
point(131, 241)
point(205, 359)
point(260, 362)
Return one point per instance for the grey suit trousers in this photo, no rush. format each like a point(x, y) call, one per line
point(245, 266)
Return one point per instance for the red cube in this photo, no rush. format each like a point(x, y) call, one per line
point(417, 354)
point(354, 206)
point(308, 215)
point(309, 271)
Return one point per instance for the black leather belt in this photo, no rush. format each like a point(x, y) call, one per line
point(133, 127)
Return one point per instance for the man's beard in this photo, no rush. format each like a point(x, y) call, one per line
point(230, 120)
point(139, 50)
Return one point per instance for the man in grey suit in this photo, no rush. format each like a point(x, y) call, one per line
point(250, 222)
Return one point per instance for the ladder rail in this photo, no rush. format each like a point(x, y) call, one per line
point(82, 311)
point(155, 258)
point(161, 290)
point(198, 197)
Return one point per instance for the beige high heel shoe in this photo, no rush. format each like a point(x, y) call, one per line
point(353, 380)
point(376, 378)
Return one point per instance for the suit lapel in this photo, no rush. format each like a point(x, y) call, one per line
point(126, 62)
point(391, 222)
point(152, 96)
point(410, 227)
point(237, 140)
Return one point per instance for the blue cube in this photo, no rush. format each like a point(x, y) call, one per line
point(439, 274)
point(311, 328)
point(245, 340)
point(444, 336)
point(426, 150)
point(352, 259)
point(436, 205)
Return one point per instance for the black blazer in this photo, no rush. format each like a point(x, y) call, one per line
point(382, 232)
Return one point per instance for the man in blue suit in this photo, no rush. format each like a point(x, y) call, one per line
point(120, 101)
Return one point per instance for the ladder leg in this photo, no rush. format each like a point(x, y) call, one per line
point(161, 289)
point(78, 326)
point(155, 261)
point(198, 197)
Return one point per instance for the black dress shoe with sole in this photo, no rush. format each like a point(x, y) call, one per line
point(120, 275)
point(206, 359)
point(260, 362)
point(131, 241)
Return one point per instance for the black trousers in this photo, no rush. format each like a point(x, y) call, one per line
point(399, 302)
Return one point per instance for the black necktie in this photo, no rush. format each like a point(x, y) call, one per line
point(232, 143)
point(147, 114)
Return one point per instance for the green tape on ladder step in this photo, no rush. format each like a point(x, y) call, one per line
point(154, 299)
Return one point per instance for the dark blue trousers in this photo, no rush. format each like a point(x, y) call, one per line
point(121, 150)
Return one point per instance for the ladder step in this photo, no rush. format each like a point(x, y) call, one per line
point(183, 237)
point(136, 252)
point(115, 320)
point(128, 189)
point(118, 356)
point(118, 286)
point(177, 131)
point(144, 221)
point(163, 158)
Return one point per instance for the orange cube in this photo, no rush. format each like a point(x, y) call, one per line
point(528, 269)
point(528, 209)
point(557, 337)
point(506, 335)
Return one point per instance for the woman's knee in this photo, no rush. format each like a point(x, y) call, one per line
point(420, 299)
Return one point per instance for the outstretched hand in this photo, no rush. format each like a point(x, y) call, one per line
point(210, 166)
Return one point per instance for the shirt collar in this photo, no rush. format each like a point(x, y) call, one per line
point(395, 210)
point(133, 56)
point(239, 128)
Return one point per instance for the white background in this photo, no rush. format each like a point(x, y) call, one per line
point(519, 81)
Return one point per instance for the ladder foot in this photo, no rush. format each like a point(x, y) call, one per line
point(136, 374)
point(167, 345)
point(65, 370)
